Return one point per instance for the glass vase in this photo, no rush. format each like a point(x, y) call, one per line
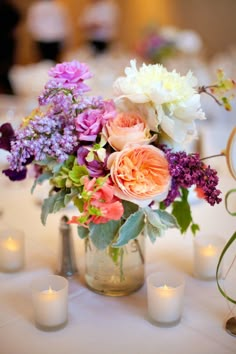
point(115, 271)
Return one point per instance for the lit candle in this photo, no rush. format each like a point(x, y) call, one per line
point(11, 250)
point(207, 251)
point(165, 298)
point(50, 302)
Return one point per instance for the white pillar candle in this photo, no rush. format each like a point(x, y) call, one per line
point(165, 292)
point(50, 302)
point(207, 250)
point(11, 250)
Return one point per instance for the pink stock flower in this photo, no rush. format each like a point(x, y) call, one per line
point(102, 199)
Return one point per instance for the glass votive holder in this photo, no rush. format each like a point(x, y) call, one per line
point(165, 294)
point(50, 302)
point(12, 250)
point(207, 251)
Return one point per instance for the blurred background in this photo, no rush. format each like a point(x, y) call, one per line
point(181, 34)
point(213, 20)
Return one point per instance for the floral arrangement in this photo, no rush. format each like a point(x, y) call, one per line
point(121, 161)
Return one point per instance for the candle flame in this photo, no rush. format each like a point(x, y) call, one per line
point(11, 244)
point(165, 287)
point(210, 250)
point(50, 291)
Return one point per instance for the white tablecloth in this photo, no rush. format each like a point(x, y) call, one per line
point(105, 325)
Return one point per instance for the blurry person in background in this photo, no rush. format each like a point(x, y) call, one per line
point(48, 25)
point(9, 20)
point(99, 21)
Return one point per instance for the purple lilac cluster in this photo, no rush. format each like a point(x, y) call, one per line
point(187, 170)
point(68, 121)
point(42, 137)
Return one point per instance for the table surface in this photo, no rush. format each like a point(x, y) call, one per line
point(100, 324)
point(114, 325)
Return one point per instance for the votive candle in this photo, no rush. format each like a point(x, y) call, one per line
point(165, 292)
point(50, 302)
point(207, 250)
point(11, 250)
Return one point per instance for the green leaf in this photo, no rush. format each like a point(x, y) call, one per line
point(43, 177)
point(103, 234)
point(78, 172)
point(70, 162)
point(160, 218)
point(167, 219)
point(181, 210)
point(195, 228)
point(59, 181)
point(129, 208)
point(51, 163)
point(59, 201)
point(131, 228)
point(153, 217)
point(114, 253)
point(83, 232)
point(69, 196)
point(52, 204)
point(152, 232)
point(79, 203)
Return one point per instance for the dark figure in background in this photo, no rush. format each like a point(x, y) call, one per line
point(48, 25)
point(99, 21)
point(9, 20)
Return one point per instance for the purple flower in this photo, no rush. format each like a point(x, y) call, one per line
point(6, 136)
point(90, 122)
point(188, 170)
point(96, 168)
point(69, 75)
point(15, 175)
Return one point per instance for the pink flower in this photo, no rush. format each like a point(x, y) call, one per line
point(90, 122)
point(140, 174)
point(108, 207)
point(69, 75)
point(126, 128)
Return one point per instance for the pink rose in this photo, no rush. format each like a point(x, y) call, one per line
point(140, 174)
point(126, 128)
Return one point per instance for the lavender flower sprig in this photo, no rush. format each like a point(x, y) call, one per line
point(188, 170)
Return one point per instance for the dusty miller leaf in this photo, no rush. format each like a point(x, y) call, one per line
point(131, 228)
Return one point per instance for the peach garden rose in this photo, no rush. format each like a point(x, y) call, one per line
point(140, 174)
point(127, 127)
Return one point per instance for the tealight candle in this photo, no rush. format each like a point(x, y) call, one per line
point(165, 298)
point(50, 302)
point(207, 252)
point(11, 250)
